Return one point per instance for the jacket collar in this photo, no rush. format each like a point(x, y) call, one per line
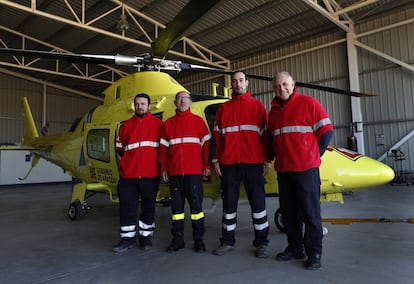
point(148, 114)
point(276, 102)
point(245, 96)
point(183, 113)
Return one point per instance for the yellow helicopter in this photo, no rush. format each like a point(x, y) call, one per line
point(88, 154)
point(87, 151)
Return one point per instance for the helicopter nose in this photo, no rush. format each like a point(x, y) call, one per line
point(367, 172)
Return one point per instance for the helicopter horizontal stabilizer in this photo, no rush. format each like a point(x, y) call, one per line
point(16, 147)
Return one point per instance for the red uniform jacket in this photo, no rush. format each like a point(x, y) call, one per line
point(240, 131)
point(184, 145)
point(296, 128)
point(138, 139)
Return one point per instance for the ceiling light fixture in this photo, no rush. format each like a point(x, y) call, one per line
point(123, 24)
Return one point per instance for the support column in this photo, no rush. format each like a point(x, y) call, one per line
point(357, 120)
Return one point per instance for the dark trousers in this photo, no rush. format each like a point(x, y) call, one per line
point(130, 191)
point(188, 187)
point(251, 175)
point(299, 198)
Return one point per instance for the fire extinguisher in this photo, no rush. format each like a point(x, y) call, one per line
point(352, 140)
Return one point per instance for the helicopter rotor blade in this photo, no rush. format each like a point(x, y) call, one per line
point(77, 58)
point(187, 17)
point(200, 68)
point(333, 90)
point(156, 64)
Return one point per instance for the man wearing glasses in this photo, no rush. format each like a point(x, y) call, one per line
point(184, 158)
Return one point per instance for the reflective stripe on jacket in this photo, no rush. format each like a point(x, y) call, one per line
point(240, 131)
point(296, 128)
point(138, 139)
point(184, 145)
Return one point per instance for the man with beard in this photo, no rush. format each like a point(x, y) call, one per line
point(138, 144)
point(241, 151)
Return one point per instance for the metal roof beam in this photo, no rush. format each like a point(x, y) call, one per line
point(329, 11)
point(78, 71)
point(354, 7)
point(84, 20)
point(385, 56)
point(52, 85)
point(382, 54)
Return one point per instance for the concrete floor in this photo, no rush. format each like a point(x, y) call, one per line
point(39, 244)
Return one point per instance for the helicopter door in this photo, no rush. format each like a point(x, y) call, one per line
point(99, 147)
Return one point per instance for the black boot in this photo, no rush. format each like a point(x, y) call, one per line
point(314, 262)
point(175, 246)
point(145, 243)
point(291, 252)
point(124, 245)
point(199, 246)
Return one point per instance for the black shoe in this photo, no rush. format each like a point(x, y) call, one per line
point(314, 262)
point(199, 246)
point(290, 253)
point(124, 245)
point(145, 244)
point(175, 247)
point(223, 249)
point(261, 252)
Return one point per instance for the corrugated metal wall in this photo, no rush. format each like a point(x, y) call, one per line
point(11, 119)
point(61, 108)
point(388, 117)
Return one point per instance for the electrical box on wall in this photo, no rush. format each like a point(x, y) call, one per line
point(380, 139)
point(15, 164)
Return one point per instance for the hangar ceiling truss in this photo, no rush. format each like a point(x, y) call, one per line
point(337, 14)
point(142, 31)
point(101, 74)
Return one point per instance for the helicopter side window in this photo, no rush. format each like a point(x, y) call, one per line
point(98, 144)
point(118, 93)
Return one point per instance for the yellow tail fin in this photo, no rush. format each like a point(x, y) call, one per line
point(31, 131)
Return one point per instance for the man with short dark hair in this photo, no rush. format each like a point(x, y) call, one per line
point(241, 154)
point(138, 144)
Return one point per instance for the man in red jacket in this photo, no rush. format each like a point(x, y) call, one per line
point(241, 154)
point(301, 131)
point(138, 145)
point(184, 158)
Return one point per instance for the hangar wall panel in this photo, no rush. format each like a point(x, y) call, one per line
point(12, 90)
point(389, 117)
point(61, 108)
point(15, 164)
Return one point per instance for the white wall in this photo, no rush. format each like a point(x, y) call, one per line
point(15, 164)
